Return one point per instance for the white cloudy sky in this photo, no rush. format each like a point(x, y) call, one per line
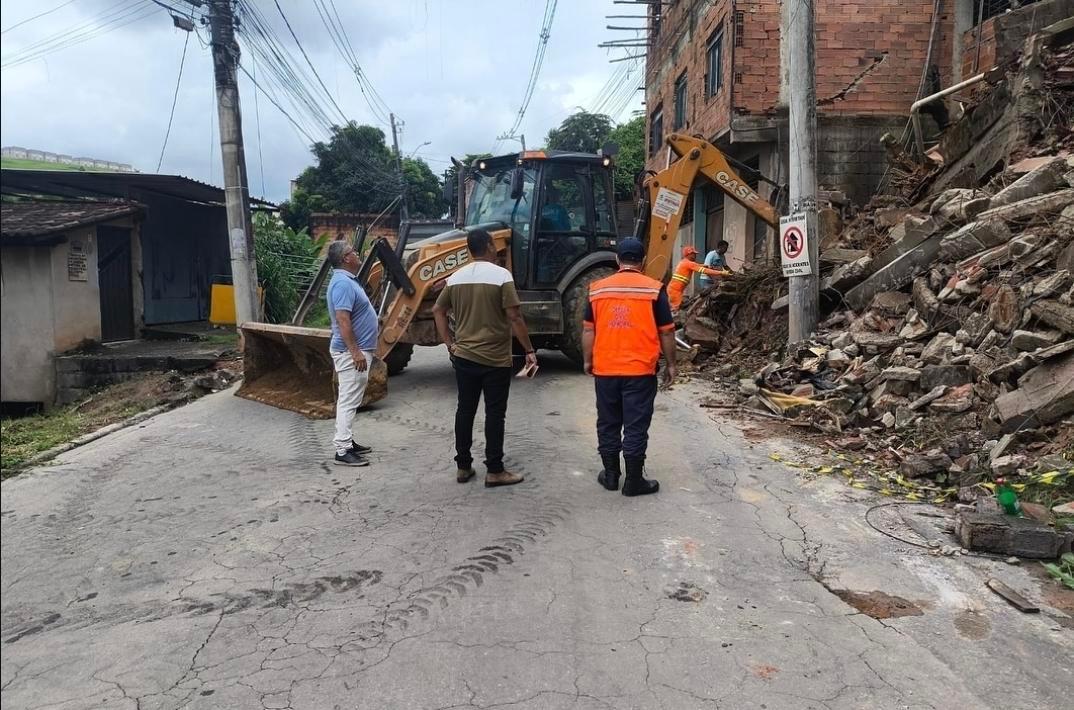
point(454, 70)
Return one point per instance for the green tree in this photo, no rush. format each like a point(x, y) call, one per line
point(424, 192)
point(630, 161)
point(583, 132)
point(287, 260)
point(355, 171)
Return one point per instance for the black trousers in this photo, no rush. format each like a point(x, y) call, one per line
point(624, 412)
point(474, 380)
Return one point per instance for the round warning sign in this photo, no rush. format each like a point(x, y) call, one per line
point(793, 242)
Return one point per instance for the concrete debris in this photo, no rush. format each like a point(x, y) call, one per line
point(939, 349)
point(926, 464)
point(1054, 313)
point(1027, 340)
point(1006, 465)
point(1039, 206)
point(1007, 535)
point(1045, 394)
point(1045, 178)
point(947, 311)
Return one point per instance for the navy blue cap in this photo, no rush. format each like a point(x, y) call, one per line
point(631, 249)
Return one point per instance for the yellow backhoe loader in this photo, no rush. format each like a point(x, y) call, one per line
point(551, 215)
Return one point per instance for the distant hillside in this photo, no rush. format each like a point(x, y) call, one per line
point(24, 164)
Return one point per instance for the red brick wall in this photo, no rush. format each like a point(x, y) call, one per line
point(342, 225)
point(970, 63)
point(1003, 37)
point(687, 29)
point(870, 54)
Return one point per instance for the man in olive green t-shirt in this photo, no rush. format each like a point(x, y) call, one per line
point(487, 312)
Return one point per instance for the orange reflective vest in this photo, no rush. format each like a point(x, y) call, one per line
point(627, 339)
point(681, 279)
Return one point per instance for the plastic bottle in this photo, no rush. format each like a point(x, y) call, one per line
point(1007, 498)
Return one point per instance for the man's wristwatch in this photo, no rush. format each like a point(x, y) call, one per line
point(531, 352)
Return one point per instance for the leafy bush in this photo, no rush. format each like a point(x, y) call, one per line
point(287, 261)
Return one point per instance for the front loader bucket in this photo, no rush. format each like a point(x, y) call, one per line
point(289, 367)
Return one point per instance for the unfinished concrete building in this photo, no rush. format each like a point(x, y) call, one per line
point(713, 68)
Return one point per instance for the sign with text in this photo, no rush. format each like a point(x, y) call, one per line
point(77, 261)
point(794, 245)
point(668, 203)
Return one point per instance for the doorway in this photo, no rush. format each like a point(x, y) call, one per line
point(114, 281)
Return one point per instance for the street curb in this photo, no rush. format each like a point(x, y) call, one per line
point(88, 438)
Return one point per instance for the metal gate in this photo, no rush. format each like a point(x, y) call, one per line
point(114, 279)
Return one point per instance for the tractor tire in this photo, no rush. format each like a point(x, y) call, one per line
point(398, 358)
point(574, 301)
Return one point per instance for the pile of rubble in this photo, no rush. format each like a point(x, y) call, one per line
point(949, 342)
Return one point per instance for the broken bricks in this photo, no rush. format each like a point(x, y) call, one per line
point(949, 310)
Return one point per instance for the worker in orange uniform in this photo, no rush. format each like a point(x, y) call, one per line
point(627, 325)
point(683, 272)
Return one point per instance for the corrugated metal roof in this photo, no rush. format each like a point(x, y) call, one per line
point(90, 183)
point(36, 220)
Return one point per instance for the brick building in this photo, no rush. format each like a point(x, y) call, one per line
point(714, 69)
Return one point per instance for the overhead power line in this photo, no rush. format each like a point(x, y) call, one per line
point(535, 70)
point(285, 80)
point(112, 18)
point(175, 100)
point(39, 15)
point(338, 34)
point(308, 61)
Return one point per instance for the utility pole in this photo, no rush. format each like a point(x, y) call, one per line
point(236, 193)
point(797, 31)
point(404, 212)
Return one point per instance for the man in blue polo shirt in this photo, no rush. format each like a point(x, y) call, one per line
point(354, 341)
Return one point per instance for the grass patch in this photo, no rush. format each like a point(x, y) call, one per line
point(26, 437)
point(222, 337)
point(23, 438)
point(26, 164)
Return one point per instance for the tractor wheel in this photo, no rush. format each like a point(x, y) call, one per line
point(398, 358)
point(574, 301)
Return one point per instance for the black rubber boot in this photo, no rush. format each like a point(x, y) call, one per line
point(609, 477)
point(635, 483)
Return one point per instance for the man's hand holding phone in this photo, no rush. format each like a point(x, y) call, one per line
point(529, 369)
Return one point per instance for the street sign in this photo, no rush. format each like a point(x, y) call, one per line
point(794, 245)
point(668, 203)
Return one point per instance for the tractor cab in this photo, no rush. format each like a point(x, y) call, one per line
point(560, 208)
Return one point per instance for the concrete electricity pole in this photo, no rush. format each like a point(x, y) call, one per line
point(236, 193)
point(404, 212)
point(797, 31)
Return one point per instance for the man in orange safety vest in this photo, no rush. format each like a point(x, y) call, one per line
point(684, 271)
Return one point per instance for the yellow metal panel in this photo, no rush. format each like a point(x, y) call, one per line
point(222, 303)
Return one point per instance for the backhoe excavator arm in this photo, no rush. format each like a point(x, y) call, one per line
point(434, 264)
point(668, 189)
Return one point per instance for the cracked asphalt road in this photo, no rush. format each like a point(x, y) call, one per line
point(211, 558)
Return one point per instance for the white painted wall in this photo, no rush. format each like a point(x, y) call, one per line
point(26, 340)
point(45, 313)
point(76, 305)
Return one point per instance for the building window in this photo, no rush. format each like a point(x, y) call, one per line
point(680, 102)
point(656, 130)
point(714, 63)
